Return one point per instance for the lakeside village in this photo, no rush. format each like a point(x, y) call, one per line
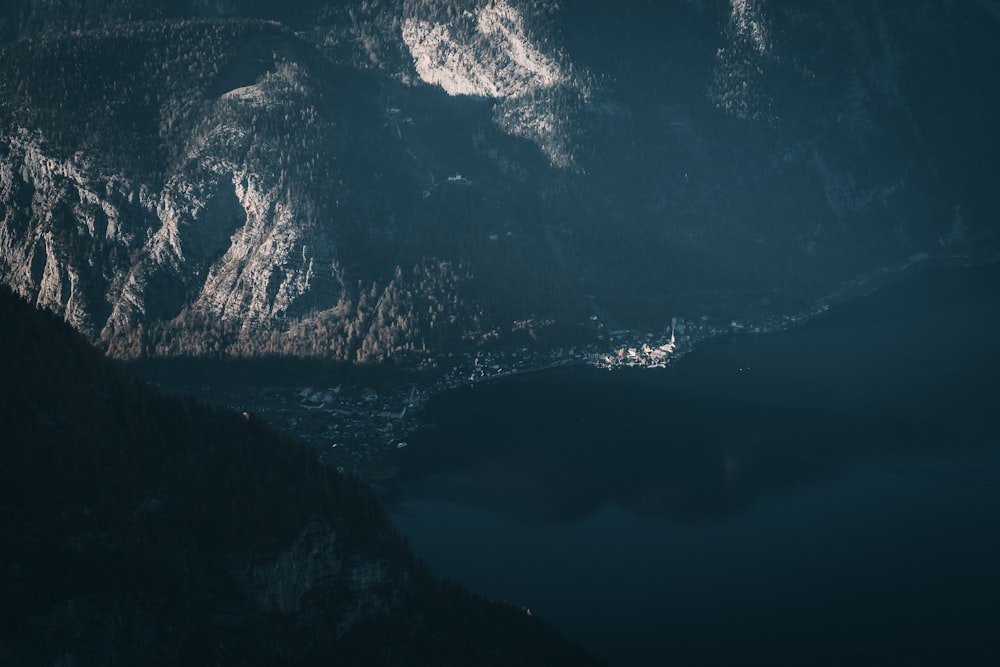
point(353, 427)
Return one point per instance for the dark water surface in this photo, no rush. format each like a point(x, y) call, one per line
point(828, 495)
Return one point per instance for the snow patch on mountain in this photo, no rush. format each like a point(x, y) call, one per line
point(286, 78)
point(500, 21)
point(746, 20)
point(440, 62)
point(252, 95)
point(491, 53)
point(494, 57)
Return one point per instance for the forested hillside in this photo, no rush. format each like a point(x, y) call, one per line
point(142, 529)
point(397, 180)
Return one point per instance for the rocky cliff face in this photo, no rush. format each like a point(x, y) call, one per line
point(237, 219)
point(366, 180)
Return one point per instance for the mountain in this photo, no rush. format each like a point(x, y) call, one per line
point(394, 179)
point(143, 529)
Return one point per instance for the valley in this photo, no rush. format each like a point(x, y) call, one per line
point(668, 322)
point(355, 418)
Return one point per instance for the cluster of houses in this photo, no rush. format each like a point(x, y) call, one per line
point(352, 426)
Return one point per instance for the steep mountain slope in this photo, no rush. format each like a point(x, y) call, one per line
point(139, 529)
point(394, 179)
point(231, 184)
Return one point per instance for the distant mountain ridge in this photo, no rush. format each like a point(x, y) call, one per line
point(396, 179)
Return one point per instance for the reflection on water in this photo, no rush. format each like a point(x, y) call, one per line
point(571, 443)
point(800, 490)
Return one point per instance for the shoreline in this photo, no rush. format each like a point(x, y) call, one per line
point(354, 427)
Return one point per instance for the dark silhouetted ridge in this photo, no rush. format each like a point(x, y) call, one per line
point(143, 529)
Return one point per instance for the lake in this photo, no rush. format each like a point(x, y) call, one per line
point(827, 495)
